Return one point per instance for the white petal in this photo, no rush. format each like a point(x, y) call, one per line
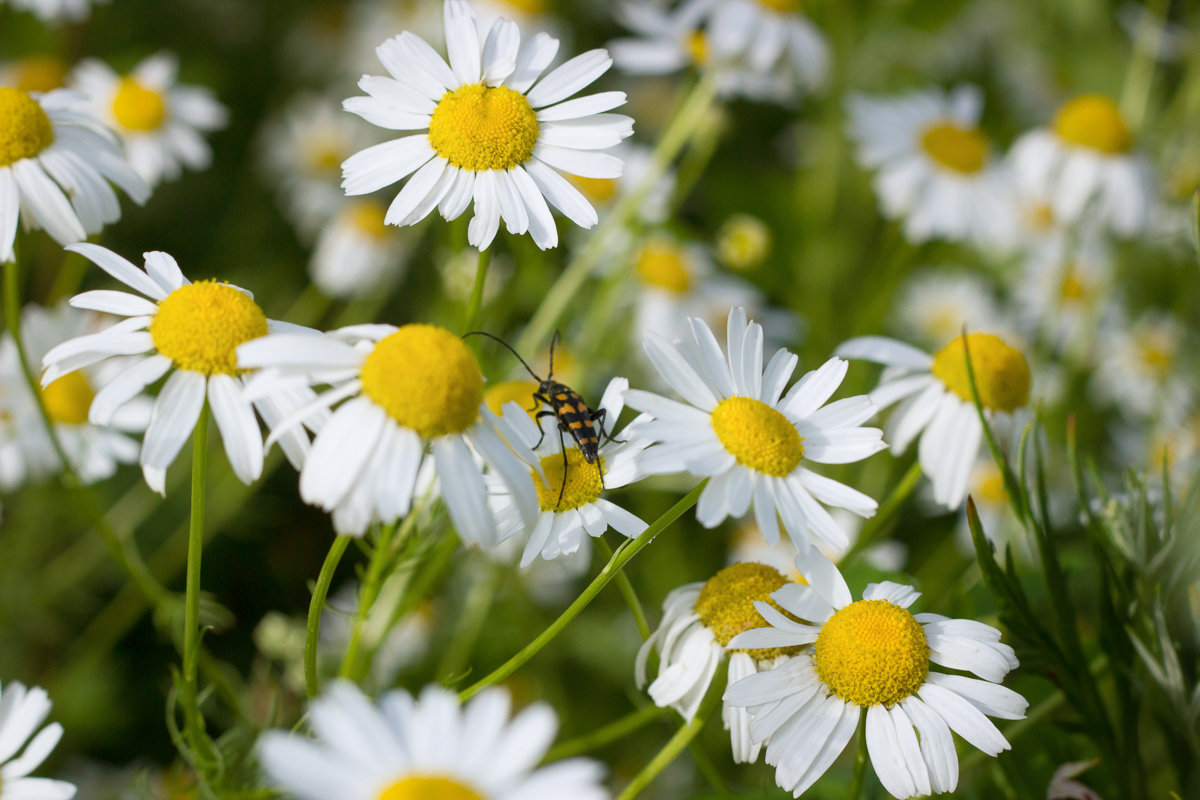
point(173, 420)
point(238, 426)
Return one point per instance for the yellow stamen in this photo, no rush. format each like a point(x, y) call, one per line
point(743, 242)
point(1093, 121)
point(781, 5)
point(520, 392)
point(68, 399)
point(527, 6)
point(758, 436)
point(661, 263)
point(598, 190)
point(324, 155)
point(989, 486)
point(583, 484)
point(872, 653)
point(958, 148)
point(200, 325)
point(40, 74)
point(429, 787)
point(426, 379)
point(479, 128)
point(726, 604)
point(25, 130)
point(697, 48)
point(1001, 374)
point(366, 216)
point(137, 107)
point(1075, 286)
point(1156, 348)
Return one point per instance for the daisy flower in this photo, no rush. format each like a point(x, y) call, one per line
point(57, 10)
point(755, 447)
point(569, 489)
point(55, 160)
point(22, 710)
point(160, 120)
point(934, 306)
point(1139, 364)
point(1062, 289)
point(873, 656)
point(935, 167)
point(492, 132)
point(356, 252)
point(429, 746)
point(403, 389)
point(743, 242)
point(179, 329)
point(938, 405)
point(1086, 164)
point(699, 620)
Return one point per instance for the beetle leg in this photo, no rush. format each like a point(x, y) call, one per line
point(562, 446)
point(599, 417)
point(538, 416)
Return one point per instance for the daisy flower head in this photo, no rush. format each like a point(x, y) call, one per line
point(935, 167)
point(401, 390)
point(569, 488)
point(34, 73)
point(24, 710)
point(160, 120)
point(937, 400)
point(55, 164)
point(737, 428)
point(185, 331)
point(494, 131)
point(356, 253)
point(431, 746)
point(1139, 366)
point(699, 620)
point(934, 306)
point(1086, 164)
point(872, 656)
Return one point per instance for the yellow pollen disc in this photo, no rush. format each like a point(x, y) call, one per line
point(25, 130)
point(426, 379)
point(429, 787)
point(1093, 121)
point(758, 436)
point(1040, 216)
point(367, 218)
point(324, 156)
point(872, 653)
point(40, 74)
point(583, 481)
point(743, 242)
point(527, 6)
point(138, 108)
point(661, 263)
point(1157, 351)
point(989, 487)
point(598, 190)
point(479, 128)
point(726, 604)
point(956, 147)
point(68, 399)
point(199, 326)
point(519, 392)
point(781, 5)
point(697, 48)
point(1074, 287)
point(1001, 374)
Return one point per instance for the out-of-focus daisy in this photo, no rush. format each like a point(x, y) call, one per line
point(186, 331)
point(1062, 287)
point(569, 489)
point(94, 451)
point(404, 389)
point(936, 170)
point(55, 162)
point(665, 39)
point(1138, 364)
point(38, 73)
point(24, 711)
point(160, 120)
point(938, 405)
point(753, 444)
point(743, 242)
point(604, 193)
point(873, 656)
point(699, 620)
point(494, 134)
point(934, 306)
point(1086, 164)
point(57, 10)
point(425, 747)
point(356, 252)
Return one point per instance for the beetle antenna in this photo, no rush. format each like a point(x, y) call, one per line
point(553, 341)
point(510, 349)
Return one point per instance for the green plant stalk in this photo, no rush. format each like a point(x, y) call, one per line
point(352, 663)
point(860, 762)
point(614, 566)
point(193, 720)
point(475, 302)
point(876, 525)
point(614, 731)
point(625, 587)
point(315, 607)
point(470, 622)
point(1140, 75)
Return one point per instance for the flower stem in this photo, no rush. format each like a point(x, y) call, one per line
point(353, 666)
point(320, 592)
point(607, 734)
point(620, 558)
point(876, 526)
point(625, 587)
point(475, 303)
point(860, 763)
point(193, 720)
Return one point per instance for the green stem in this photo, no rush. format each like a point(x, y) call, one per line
point(613, 568)
point(320, 592)
point(860, 763)
point(475, 303)
point(193, 720)
point(352, 663)
point(1140, 75)
point(874, 528)
point(470, 623)
point(606, 734)
point(682, 129)
point(625, 587)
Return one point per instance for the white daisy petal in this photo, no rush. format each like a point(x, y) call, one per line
point(175, 414)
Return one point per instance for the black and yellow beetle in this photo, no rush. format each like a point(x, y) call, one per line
point(573, 415)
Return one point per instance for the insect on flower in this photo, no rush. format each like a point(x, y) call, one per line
point(566, 406)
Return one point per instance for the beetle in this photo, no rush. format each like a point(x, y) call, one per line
point(568, 408)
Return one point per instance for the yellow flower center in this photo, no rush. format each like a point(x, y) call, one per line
point(989, 487)
point(366, 216)
point(697, 48)
point(1075, 287)
point(138, 108)
point(527, 6)
point(956, 147)
point(1001, 374)
point(726, 604)
point(429, 787)
point(598, 190)
point(1039, 216)
point(68, 399)
point(1093, 121)
point(426, 379)
point(781, 5)
point(25, 130)
point(40, 74)
point(660, 263)
point(1156, 350)
point(199, 326)
point(520, 392)
point(872, 653)
point(743, 242)
point(582, 486)
point(324, 155)
point(479, 128)
point(758, 436)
